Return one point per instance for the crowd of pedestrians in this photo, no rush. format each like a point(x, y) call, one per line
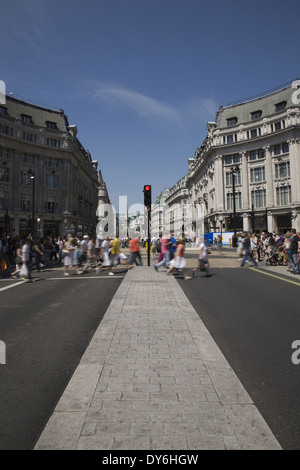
point(172, 255)
point(259, 247)
point(20, 257)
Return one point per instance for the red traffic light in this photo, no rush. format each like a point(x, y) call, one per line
point(147, 188)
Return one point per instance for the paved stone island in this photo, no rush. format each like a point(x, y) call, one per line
point(153, 378)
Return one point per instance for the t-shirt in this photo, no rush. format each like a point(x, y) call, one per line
point(246, 242)
point(25, 253)
point(91, 249)
point(83, 246)
point(134, 245)
point(173, 245)
point(164, 245)
point(105, 246)
point(115, 250)
point(203, 251)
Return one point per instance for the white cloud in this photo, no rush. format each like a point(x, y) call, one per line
point(143, 105)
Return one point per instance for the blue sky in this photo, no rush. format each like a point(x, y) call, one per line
point(141, 78)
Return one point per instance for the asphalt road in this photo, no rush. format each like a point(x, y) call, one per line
point(254, 319)
point(46, 326)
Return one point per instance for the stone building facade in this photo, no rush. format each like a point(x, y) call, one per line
point(252, 150)
point(45, 173)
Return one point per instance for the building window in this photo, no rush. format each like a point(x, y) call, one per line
point(53, 142)
point(238, 201)
point(282, 170)
point(27, 119)
point(278, 126)
point(5, 153)
point(283, 194)
point(253, 133)
point(231, 159)
point(280, 106)
point(3, 110)
point(25, 205)
point(257, 174)
point(51, 125)
point(256, 115)
point(51, 207)
point(232, 121)
point(258, 154)
point(285, 147)
point(6, 130)
point(229, 178)
point(25, 178)
point(258, 198)
point(27, 158)
point(51, 162)
point(277, 149)
point(51, 181)
point(4, 174)
point(29, 137)
point(3, 200)
point(281, 148)
point(229, 139)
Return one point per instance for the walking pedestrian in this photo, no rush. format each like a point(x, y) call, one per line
point(104, 254)
point(173, 246)
point(91, 255)
point(203, 263)
point(18, 260)
point(117, 256)
point(165, 250)
point(70, 256)
point(219, 244)
point(295, 250)
point(134, 251)
point(59, 245)
point(153, 246)
point(247, 251)
point(25, 251)
point(178, 262)
point(37, 254)
point(288, 251)
point(83, 248)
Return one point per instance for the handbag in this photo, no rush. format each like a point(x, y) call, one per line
point(24, 271)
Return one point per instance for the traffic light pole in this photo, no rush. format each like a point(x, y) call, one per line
point(149, 240)
point(147, 204)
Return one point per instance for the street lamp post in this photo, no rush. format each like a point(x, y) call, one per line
point(253, 218)
point(221, 220)
point(32, 177)
point(234, 171)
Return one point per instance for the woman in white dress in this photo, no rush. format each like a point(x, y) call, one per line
point(179, 262)
point(70, 256)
